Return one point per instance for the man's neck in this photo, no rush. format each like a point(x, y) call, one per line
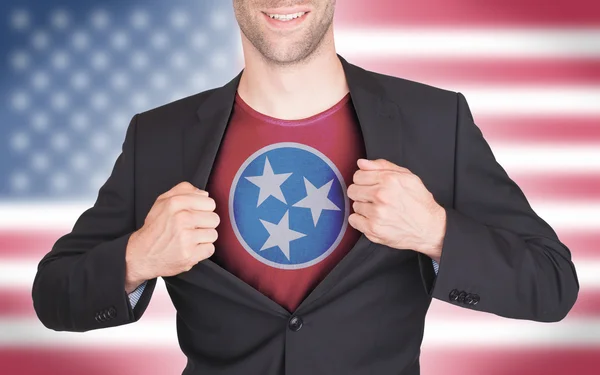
point(293, 92)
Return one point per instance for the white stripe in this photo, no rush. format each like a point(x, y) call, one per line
point(502, 332)
point(541, 100)
point(30, 333)
point(32, 216)
point(20, 273)
point(468, 43)
point(548, 158)
point(59, 218)
point(569, 216)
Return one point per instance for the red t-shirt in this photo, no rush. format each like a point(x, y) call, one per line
point(280, 192)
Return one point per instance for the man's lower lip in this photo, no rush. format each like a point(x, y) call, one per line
point(290, 23)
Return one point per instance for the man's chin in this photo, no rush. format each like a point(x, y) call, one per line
point(285, 59)
point(284, 54)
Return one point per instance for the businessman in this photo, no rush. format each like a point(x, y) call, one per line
point(304, 215)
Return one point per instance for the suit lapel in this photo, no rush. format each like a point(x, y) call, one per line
point(380, 123)
point(379, 117)
point(201, 139)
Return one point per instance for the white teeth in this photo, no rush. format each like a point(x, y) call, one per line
point(286, 17)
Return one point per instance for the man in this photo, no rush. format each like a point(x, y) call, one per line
point(336, 192)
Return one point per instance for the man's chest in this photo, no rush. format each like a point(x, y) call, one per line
point(281, 196)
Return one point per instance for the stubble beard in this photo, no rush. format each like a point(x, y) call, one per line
point(299, 51)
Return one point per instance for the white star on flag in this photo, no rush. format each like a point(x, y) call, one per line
point(280, 235)
point(316, 200)
point(269, 183)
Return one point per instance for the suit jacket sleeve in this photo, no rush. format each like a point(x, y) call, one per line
point(497, 251)
point(80, 283)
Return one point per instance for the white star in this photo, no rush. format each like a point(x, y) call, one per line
point(20, 181)
point(316, 200)
point(269, 183)
point(60, 19)
point(280, 235)
point(100, 19)
point(20, 19)
point(140, 19)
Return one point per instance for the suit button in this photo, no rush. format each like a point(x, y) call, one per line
point(475, 299)
point(105, 315)
point(112, 312)
point(97, 317)
point(461, 297)
point(295, 324)
point(453, 296)
point(469, 299)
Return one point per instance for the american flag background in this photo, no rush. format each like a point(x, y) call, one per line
point(73, 73)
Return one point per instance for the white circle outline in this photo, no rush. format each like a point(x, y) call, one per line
point(242, 168)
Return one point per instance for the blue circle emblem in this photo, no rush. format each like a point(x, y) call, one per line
point(288, 205)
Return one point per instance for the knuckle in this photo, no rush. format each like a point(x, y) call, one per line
point(388, 178)
point(209, 218)
point(185, 259)
point(188, 265)
point(184, 237)
point(211, 203)
point(411, 179)
point(378, 211)
point(216, 218)
point(375, 230)
point(181, 218)
point(175, 203)
point(205, 250)
point(380, 194)
point(209, 249)
point(370, 227)
point(350, 190)
point(186, 185)
point(209, 235)
point(182, 242)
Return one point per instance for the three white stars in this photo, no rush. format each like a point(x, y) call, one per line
point(316, 200)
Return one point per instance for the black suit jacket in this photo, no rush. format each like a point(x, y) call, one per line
point(367, 315)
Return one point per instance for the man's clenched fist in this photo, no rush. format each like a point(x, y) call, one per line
point(393, 207)
point(178, 232)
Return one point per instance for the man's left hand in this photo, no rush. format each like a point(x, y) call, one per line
point(393, 207)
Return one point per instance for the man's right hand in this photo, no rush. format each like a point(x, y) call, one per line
point(178, 232)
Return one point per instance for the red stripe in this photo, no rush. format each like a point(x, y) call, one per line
point(513, 361)
point(20, 246)
point(150, 361)
point(467, 13)
point(586, 306)
point(92, 361)
point(25, 244)
point(443, 72)
point(581, 244)
point(18, 304)
point(573, 187)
